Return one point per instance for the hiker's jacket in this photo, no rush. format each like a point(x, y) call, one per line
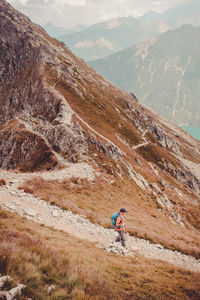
point(120, 223)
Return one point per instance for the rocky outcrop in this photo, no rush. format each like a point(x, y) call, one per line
point(118, 249)
point(13, 293)
point(144, 123)
point(183, 175)
point(24, 150)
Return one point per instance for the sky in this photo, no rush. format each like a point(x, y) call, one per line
point(69, 13)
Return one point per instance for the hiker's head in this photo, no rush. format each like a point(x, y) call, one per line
point(123, 210)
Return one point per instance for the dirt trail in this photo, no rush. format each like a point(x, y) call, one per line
point(42, 212)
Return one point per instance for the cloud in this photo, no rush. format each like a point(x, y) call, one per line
point(17, 2)
point(72, 3)
point(68, 13)
point(50, 3)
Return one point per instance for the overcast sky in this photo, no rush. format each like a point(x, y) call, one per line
point(68, 13)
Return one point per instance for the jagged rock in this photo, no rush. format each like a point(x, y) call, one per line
point(55, 213)
point(138, 161)
point(10, 206)
point(14, 292)
point(159, 246)
point(163, 183)
point(183, 175)
point(135, 98)
point(3, 295)
point(3, 280)
point(50, 289)
point(155, 187)
point(30, 212)
point(23, 149)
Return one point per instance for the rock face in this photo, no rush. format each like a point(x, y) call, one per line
point(163, 73)
point(24, 149)
point(55, 109)
point(14, 292)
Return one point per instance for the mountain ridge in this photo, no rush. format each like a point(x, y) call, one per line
point(166, 66)
point(107, 37)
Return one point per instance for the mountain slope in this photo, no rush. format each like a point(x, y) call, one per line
point(163, 73)
point(55, 97)
point(77, 269)
point(58, 115)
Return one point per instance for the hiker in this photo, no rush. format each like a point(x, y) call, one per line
point(120, 226)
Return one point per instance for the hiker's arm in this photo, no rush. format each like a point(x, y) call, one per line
point(118, 222)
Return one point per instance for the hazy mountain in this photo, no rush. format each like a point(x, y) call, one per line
point(164, 73)
point(102, 39)
point(101, 150)
point(150, 16)
point(56, 31)
point(105, 38)
point(187, 12)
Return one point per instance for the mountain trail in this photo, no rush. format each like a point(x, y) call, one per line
point(140, 145)
point(40, 211)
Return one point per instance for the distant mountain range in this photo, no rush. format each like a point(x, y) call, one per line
point(56, 31)
point(184, 13)
point(164, 73)
point(106, 38)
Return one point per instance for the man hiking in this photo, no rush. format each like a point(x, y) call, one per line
point(120, 226)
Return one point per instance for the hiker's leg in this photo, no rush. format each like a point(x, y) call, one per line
point(123, 238)
point(118, 239)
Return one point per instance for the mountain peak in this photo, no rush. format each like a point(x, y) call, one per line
point(149, 16)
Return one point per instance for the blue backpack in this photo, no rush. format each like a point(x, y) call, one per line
point(114, 218)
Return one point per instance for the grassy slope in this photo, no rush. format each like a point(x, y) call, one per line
point(39, 257)
point(98, 202)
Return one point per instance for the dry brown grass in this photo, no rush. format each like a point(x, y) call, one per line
point(97, 110)
point(156, 154)
point(98, 201)
point(39, 257)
